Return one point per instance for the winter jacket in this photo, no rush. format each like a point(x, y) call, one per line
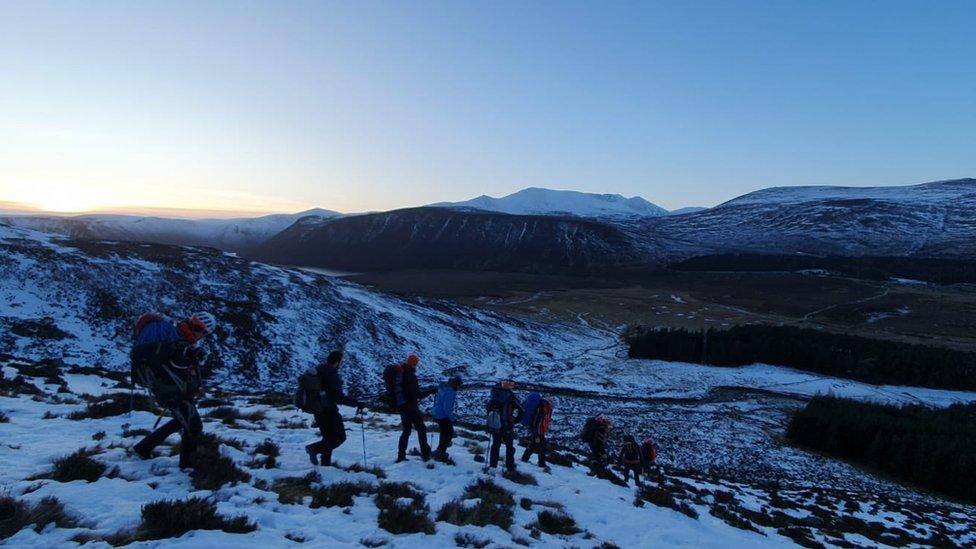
point(332, 389)
point(410, 393)
point(444, 402)
point(508, 403)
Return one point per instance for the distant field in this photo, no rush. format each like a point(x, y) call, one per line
point(935, 314)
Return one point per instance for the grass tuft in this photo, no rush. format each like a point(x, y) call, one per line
point(16, 514)
point(555, 523)
point(397, 517)
point(340, 494)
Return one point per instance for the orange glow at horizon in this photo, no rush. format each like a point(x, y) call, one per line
point(61, 198)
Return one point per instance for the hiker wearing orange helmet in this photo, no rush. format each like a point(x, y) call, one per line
point(408, 397)
point(167, 359)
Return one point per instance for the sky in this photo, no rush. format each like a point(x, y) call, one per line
point(230, 107)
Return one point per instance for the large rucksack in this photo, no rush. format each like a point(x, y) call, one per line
point(154, 338)
point(392, 377)
point(500, 412)
point(589, 431)
point(543, 417)
point(649, 451)
point(308, 396)
point(630, 454)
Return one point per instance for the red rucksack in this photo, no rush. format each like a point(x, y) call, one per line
point(649, 450)
point(543, 413)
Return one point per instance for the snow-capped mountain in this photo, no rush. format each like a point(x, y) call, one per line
point(442, 238)
point(538, 201)
point(932, 219)
point(225, 234)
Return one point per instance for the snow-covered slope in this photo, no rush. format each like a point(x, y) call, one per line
point(225, 234)
point(77, 299)
point(932, 219)
point(537, 201)
point(285, 501)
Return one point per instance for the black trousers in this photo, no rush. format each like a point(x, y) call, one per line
point(333, 432)
point(536, 446)
point(636, 469)
point(508, 437)
point(446, 428)
point(186, 421)
point(411, 419)
point(598, 454)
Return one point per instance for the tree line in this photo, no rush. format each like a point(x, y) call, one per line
point(932, 448)
point(929, 269)
point(875, 361)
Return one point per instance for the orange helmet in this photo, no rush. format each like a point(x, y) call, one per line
point(413, 361)
point(603, 420)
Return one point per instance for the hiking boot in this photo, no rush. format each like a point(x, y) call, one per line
point(401, 458)
point(425, 454)
point(312, 456)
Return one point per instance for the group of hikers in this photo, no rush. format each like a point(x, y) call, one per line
point(167, 359)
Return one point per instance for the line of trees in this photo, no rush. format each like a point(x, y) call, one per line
point(930, 269)
point(932, 448)
point(876, 361)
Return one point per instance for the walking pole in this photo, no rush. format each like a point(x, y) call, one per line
point(362, 429)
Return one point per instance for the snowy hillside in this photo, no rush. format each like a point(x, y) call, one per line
point(257, 489)
point(225, 234)
point(934, 219)
point(77, 299)
point(537, 201)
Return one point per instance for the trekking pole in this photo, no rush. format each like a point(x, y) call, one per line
point(362, 429)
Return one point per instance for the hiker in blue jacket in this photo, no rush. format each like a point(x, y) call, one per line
point(443, 414)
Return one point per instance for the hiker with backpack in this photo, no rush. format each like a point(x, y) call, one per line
point(631, 459)
point(596, 434)
point(166, 359)
point(407, 395)
point(443, 414)
point(648, 454)
point(329, 395)
point(503, 412)
point(537, 418)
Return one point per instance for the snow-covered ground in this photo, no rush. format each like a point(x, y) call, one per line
point(109, 505)
point(605, 513)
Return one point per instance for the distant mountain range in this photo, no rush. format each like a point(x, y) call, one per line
point(540, 230)
point(225, 234)
point(536, 201)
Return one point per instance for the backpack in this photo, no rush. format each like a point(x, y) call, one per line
point(392, 375)
point(529, 407)
point(153, 343)
point(543, 417)
point(499, 411)
point(308, 396)
point(649, 450)
point(143, 321)
point(630, 453)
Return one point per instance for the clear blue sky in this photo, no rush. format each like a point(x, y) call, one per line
point(375, 105)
